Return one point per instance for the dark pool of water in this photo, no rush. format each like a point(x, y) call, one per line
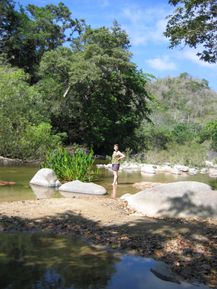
point(33, 261)
point(22, 176)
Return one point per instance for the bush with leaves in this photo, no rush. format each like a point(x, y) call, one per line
point(210, 132)
point(25, 131)
point(190, 154)
point(68, 167)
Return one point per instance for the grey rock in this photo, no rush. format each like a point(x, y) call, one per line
point(164, 169)
point(83, 188)
point(175, 171)
point(179, 199)
point(181, 168)
point(130, 167)
point(193, 171)
point(204, 171)
point(9, 162)
point(45, 177)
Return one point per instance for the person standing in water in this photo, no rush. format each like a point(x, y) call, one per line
point(116, 157)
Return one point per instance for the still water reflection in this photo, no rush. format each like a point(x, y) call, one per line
point(30, 261)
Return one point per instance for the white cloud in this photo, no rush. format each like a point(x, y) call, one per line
point(191, 55)
point(162, 63)
point(144, 25)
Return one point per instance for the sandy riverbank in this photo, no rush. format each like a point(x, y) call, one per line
point(190, 247)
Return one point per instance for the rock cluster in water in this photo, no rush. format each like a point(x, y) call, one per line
point(150, 169)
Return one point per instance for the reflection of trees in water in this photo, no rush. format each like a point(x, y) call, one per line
point(37, 261)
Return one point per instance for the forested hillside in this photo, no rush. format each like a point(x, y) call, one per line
point(184, 99)
point(183, 121)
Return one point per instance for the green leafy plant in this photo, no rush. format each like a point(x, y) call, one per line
point(209, 132)
point(78, 166)
point(190, 154)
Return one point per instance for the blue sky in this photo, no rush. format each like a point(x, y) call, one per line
point(144, 21)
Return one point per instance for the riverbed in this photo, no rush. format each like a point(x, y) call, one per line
point(23, 174)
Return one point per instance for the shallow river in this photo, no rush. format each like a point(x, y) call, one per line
point(35, 261)
point(22, 175)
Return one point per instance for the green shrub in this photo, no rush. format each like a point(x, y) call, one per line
point(190, 154)
point(37, 140)
point(78, 166)
point(210, 133)
point(183, 132)
point(25, 130)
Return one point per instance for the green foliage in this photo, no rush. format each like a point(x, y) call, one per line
point(183, 99)
point(184, 132)
point(194, 23)
point(78, 166)
point(128, 154)
point(24, 128)
point(99, 95)
point(37, 140)
point(152, 136)
point(178, 132)
point(190, 154)
point(92, 90)
point(210, 132)
point(26, 33)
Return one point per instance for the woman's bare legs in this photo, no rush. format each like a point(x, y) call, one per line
point(114, 191)
point(115, 180)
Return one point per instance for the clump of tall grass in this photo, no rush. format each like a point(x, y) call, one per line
point(78, 166)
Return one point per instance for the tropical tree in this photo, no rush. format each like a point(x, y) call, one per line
point(25, 131)
point(28, 32)
point(194, 23)
point(97, 95)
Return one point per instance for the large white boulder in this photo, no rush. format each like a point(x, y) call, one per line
point(46, 178)
point(83, 188)
point(178, 199)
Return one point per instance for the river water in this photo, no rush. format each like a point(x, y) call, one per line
point(36, 261)
point(22, 175)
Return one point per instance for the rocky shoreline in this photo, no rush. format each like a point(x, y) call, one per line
point(189, 246)
point(209, 168)
point(167, 168)
point(4, 161)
